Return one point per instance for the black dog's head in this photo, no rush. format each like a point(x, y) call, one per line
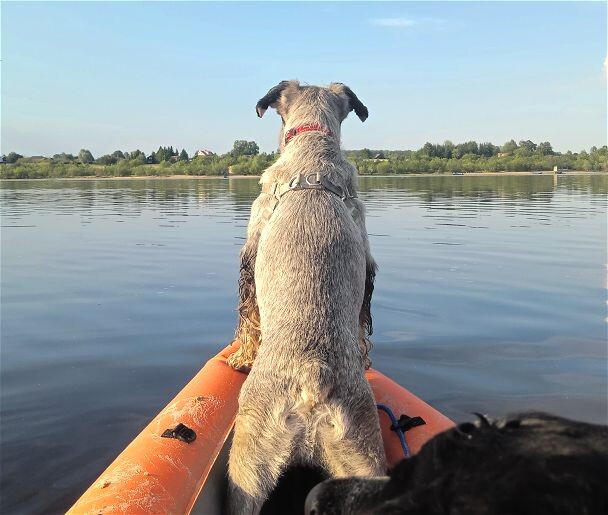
point(531, 463)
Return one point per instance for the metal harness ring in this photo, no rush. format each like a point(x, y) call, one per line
point(317, 179)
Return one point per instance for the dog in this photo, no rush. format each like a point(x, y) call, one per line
point(300, 159)
point(531, 463)
point(305, 291)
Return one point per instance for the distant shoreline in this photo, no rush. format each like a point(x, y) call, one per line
point(205, 177)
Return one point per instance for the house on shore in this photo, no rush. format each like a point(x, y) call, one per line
point(379, 156)
point(203, 153)
point(34, 159)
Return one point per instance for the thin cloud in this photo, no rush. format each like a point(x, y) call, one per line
point(400, 23)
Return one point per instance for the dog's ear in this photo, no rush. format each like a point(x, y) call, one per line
point(353, 102)
point(273, 96)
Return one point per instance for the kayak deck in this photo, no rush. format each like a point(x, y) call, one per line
point(155, 474)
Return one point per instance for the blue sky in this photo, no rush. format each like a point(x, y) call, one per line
point(107, 76)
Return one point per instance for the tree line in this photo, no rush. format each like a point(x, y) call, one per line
point(163, 154)
point(449, 150)
point(246, 159)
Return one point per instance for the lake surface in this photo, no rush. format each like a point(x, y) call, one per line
point(490, 297)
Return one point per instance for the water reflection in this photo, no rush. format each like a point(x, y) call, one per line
point(129, 196)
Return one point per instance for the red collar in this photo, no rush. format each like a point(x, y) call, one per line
point(306, 128)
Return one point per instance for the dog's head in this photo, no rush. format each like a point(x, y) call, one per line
point(527, 464)
point(298, 104)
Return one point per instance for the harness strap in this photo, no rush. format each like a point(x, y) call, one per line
point(312, 181)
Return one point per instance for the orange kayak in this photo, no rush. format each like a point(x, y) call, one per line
point(184, 471)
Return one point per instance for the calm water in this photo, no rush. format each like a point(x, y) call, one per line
point(490, 297)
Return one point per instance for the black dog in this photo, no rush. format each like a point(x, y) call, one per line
point(532, 463)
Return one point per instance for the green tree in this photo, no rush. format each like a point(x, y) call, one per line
point(165, 154)
point(106, 160)
point(509, 147)
point(470, 147)
point(118, 154)
point(85, 156)
point(161, 155)
point(544, 149)
point(13, 157)
point(63, 158)
point(245, 148)
point(488, 149)
point(136, 155)
point(183, 155)
point(447, 149)
point(428, 150)
point(530, 146)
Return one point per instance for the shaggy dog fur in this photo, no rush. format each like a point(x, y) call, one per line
point(526, 464)
point(306, 281)
point(312, 152)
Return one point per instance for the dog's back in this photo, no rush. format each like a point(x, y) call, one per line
point(307, 390)
point(310, 276)
point(310, 292)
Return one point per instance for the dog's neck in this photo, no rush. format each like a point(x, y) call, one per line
point(311, 151)
point(312, 117)
point(308, 152)
point(312, 145)
point(306, 127)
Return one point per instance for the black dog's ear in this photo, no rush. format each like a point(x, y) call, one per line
point(353, 102)
point(356, 104)
point(270, 98)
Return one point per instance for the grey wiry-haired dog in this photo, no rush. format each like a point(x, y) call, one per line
point(306, 281)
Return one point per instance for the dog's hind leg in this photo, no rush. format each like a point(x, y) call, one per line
point(239, 502)
point(365, 315)
point(350, 441)
point(262, 447)
point(248, 328)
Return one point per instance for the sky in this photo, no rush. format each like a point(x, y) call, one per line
point(115, 75)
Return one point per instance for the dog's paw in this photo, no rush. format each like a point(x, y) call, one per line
point(239, 361)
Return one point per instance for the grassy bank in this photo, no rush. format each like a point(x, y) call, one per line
point(385, 163)
point(212, 166)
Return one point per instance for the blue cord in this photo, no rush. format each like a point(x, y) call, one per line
point(395, 427)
